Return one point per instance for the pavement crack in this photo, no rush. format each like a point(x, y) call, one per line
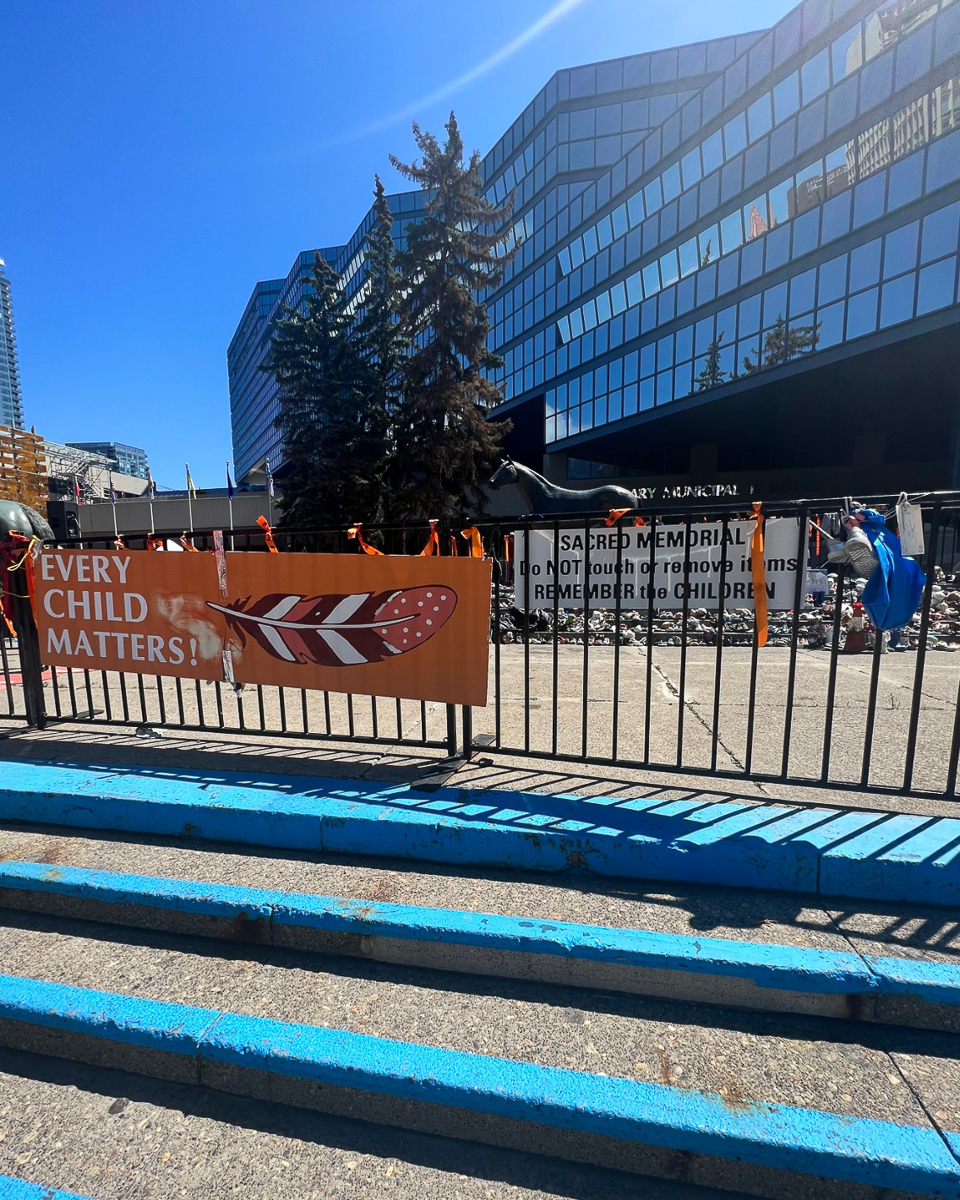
point(692, 710)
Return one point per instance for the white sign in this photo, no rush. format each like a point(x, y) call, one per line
point(657, 572)
point(910, 525)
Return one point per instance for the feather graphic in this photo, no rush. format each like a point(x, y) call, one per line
point(338, 630)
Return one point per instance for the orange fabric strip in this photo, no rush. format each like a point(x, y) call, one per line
point(187, 544)
point(268, 534)
point(614, 515)
point(759, 573)
point(433, 545)
point(639, 523)
point(154, 543)
point(7, 621)
point(354, 532)
point(476, 542)
point(506, 547)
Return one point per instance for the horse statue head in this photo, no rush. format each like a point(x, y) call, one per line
point(505, 474)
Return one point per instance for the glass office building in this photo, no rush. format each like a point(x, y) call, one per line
point(11, 402)
point(737, 260)
point(124, 459)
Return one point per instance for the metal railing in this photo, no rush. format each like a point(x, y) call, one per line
point(685, 689)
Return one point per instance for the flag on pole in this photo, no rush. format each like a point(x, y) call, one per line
point(113, 490)
point(229, 482)
point(269, 480)
point(76, 489)
point(191, 487)
point(151, 486)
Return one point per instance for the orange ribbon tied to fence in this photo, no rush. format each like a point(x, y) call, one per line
point(268, 534)
point(187, 544)
point(476, 542)
point(433, 543)
point(17, 554)
point(759, 574)
point(354, 534)
point(614, 515)
point(154, 543)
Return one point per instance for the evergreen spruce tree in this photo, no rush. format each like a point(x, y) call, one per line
point(380, 331)
point(711, 375)
point(334, 445)
point(444, 446)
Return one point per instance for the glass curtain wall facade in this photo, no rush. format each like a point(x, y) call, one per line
point(11, 401)
point(734, 256)
point(126, 460)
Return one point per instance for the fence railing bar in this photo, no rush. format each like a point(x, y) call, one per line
point(721, 621)
point(555, 694)
point(526, 636)
point(799, 592)
point(648, 682)
point(585, 698)
point(684, 635)
point(930, 567)
point(832, 678)
point(617, 607)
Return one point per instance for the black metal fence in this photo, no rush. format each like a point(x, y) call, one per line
point(618, 676)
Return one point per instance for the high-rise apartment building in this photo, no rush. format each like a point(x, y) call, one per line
point(737, 261)
point(11, 401)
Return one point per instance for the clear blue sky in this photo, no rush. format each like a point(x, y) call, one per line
point(157, 157)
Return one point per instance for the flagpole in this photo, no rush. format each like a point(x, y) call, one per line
point(189, 497)
point(113, 505)
point(150, 491)
point(230, 503)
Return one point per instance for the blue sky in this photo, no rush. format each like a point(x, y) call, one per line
point(157, 157)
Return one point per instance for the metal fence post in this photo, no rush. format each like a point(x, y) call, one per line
point(452, 746)
point(28, 645)
point(467, 713)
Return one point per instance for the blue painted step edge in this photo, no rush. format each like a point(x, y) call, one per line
point(871, 855)
point(786, 968)
point(810, 1142)
point(19, 1189)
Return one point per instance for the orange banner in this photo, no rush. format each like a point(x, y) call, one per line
point(411, 627)
point(759, 574)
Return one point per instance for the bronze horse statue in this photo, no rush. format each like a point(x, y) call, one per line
point(542, 496)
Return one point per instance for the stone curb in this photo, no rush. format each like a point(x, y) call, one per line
point(867, 855)
point(770, 1150)
point(701, 969)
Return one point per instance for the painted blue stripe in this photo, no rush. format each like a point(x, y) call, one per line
point(933, 983)
point(876, 1153)
point(177, 1028)
point(746, 845)
point(19, 1189)
point(768, 966)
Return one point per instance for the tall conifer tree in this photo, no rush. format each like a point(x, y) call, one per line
point(334, 440)
point(380, 332)
point(444, 446)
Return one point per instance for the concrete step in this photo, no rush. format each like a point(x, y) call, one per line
point(870, 855)
point(745, 1055)
point(770, 1150)
point(888, 928)
point(113, 1135)
point(708, 970)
